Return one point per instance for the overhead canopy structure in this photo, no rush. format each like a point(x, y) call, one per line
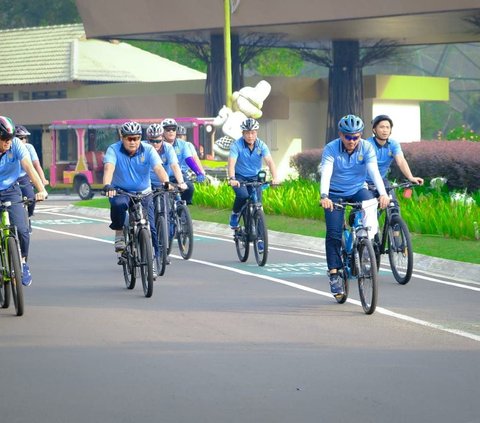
point(409, 22)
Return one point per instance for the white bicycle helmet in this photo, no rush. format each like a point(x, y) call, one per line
point(249, 124)
point(131, 128)
point(21, 131)
point(154, 131)
point(169, 122)
point(181, 130)
point(7, 128)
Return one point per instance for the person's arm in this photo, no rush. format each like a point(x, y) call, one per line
point(231, 172)
point(37, 182)
point(372, 169)
point(160, 172)
point(177, 172)
point(405, 169)
point(38, 168)
point(325, 177)
point(108, 170)
point(273, 169)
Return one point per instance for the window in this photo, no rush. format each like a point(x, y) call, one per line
point(45, 95)
point(6, 96)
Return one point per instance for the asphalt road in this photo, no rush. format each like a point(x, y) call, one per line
point(224, 341)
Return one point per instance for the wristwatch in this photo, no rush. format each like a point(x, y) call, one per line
point(232, 178)
point(323, 196)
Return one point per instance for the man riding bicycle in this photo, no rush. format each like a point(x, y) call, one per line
point(244, 162)
point(14, 157)
point(128, 163)
point(346, 161)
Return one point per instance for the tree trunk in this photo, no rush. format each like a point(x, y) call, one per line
point(345, 85)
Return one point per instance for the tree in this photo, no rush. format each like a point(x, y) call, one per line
point(28, 13)
point(345, 60)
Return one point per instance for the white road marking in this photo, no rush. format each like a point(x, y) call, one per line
point(379, 310)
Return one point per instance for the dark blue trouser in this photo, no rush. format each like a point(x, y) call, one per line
point(334, 223)
point(118, 214)
point(18, 216)
point(27, 191)
point(186, 195)
point(242, 193)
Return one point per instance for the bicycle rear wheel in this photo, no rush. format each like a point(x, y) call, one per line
point(260, 243)
point(240, 237)
point(15, 268)
point(146, 261)
point(400, 253)
point(161, 227)
point(127, 261)
point(4, 291)
point(367, 275)
point(184, 231)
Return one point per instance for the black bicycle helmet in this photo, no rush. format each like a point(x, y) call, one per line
point(130, 128)
point(21, 131)
point(350, 124)
point(379, 119)
point(249, 124)
point(7, 128)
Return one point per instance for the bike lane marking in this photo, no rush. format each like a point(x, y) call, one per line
point(380, 310)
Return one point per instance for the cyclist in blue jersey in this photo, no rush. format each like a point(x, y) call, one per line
point(388, 149)
point(128, 163)
point(244, 162)
point(24, 181)
point(14, 156)
point(346, 162)
point(185, 158)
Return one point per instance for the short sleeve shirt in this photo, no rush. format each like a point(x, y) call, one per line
point(385, 154)
point(349, 170)
point(10, 166)
point(167, 156)
point(132, 173)
point(183, 152)
point(248, 162)
point(33, 157)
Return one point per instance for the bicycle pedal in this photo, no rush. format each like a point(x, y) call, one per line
point(338, 296)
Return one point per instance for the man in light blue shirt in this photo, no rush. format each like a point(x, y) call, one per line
point(14, 157)
point(346, 161)
point(244, 162)
point(128, 163)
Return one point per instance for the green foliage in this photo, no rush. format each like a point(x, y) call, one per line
point(172, 51)
point(28, 13)
point(463, 133)
point(437, 118)
point(277, 62)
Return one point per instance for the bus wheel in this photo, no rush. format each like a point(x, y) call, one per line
point(84, 190)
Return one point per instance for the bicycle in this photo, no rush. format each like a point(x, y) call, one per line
point(160, 202)
point(358, 258)
point(395, 239)
point(252, 226)
point(138, 252)
point(11, 262)
point(179, 222)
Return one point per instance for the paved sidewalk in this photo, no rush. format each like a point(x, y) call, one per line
point(430, 266)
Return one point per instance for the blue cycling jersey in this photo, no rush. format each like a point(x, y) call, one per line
point(168, 156)
point(385, 155)
point(10, 166)
point(248, 162)
point(132, 173)
point(33, 157)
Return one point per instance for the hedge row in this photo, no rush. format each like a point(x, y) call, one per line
point(457, 161)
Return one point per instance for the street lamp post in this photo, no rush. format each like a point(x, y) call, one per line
point(228, 54)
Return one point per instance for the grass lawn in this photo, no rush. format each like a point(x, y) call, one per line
point(452, 249)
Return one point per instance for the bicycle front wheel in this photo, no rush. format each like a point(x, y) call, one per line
point(260, 244)
point(161, 227)
point(15, 268)
point(4, 291)
point(146, 261)
point(240, 237)
point(400, 253)
point(184, 231)
point(127, 261)
point(367, 275)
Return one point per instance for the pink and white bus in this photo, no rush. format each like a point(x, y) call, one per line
point(78, 148)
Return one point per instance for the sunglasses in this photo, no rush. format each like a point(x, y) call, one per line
point(157, 141)
point(170, 129)
point(22, 138)
point(136, 139)
point(351, 137)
